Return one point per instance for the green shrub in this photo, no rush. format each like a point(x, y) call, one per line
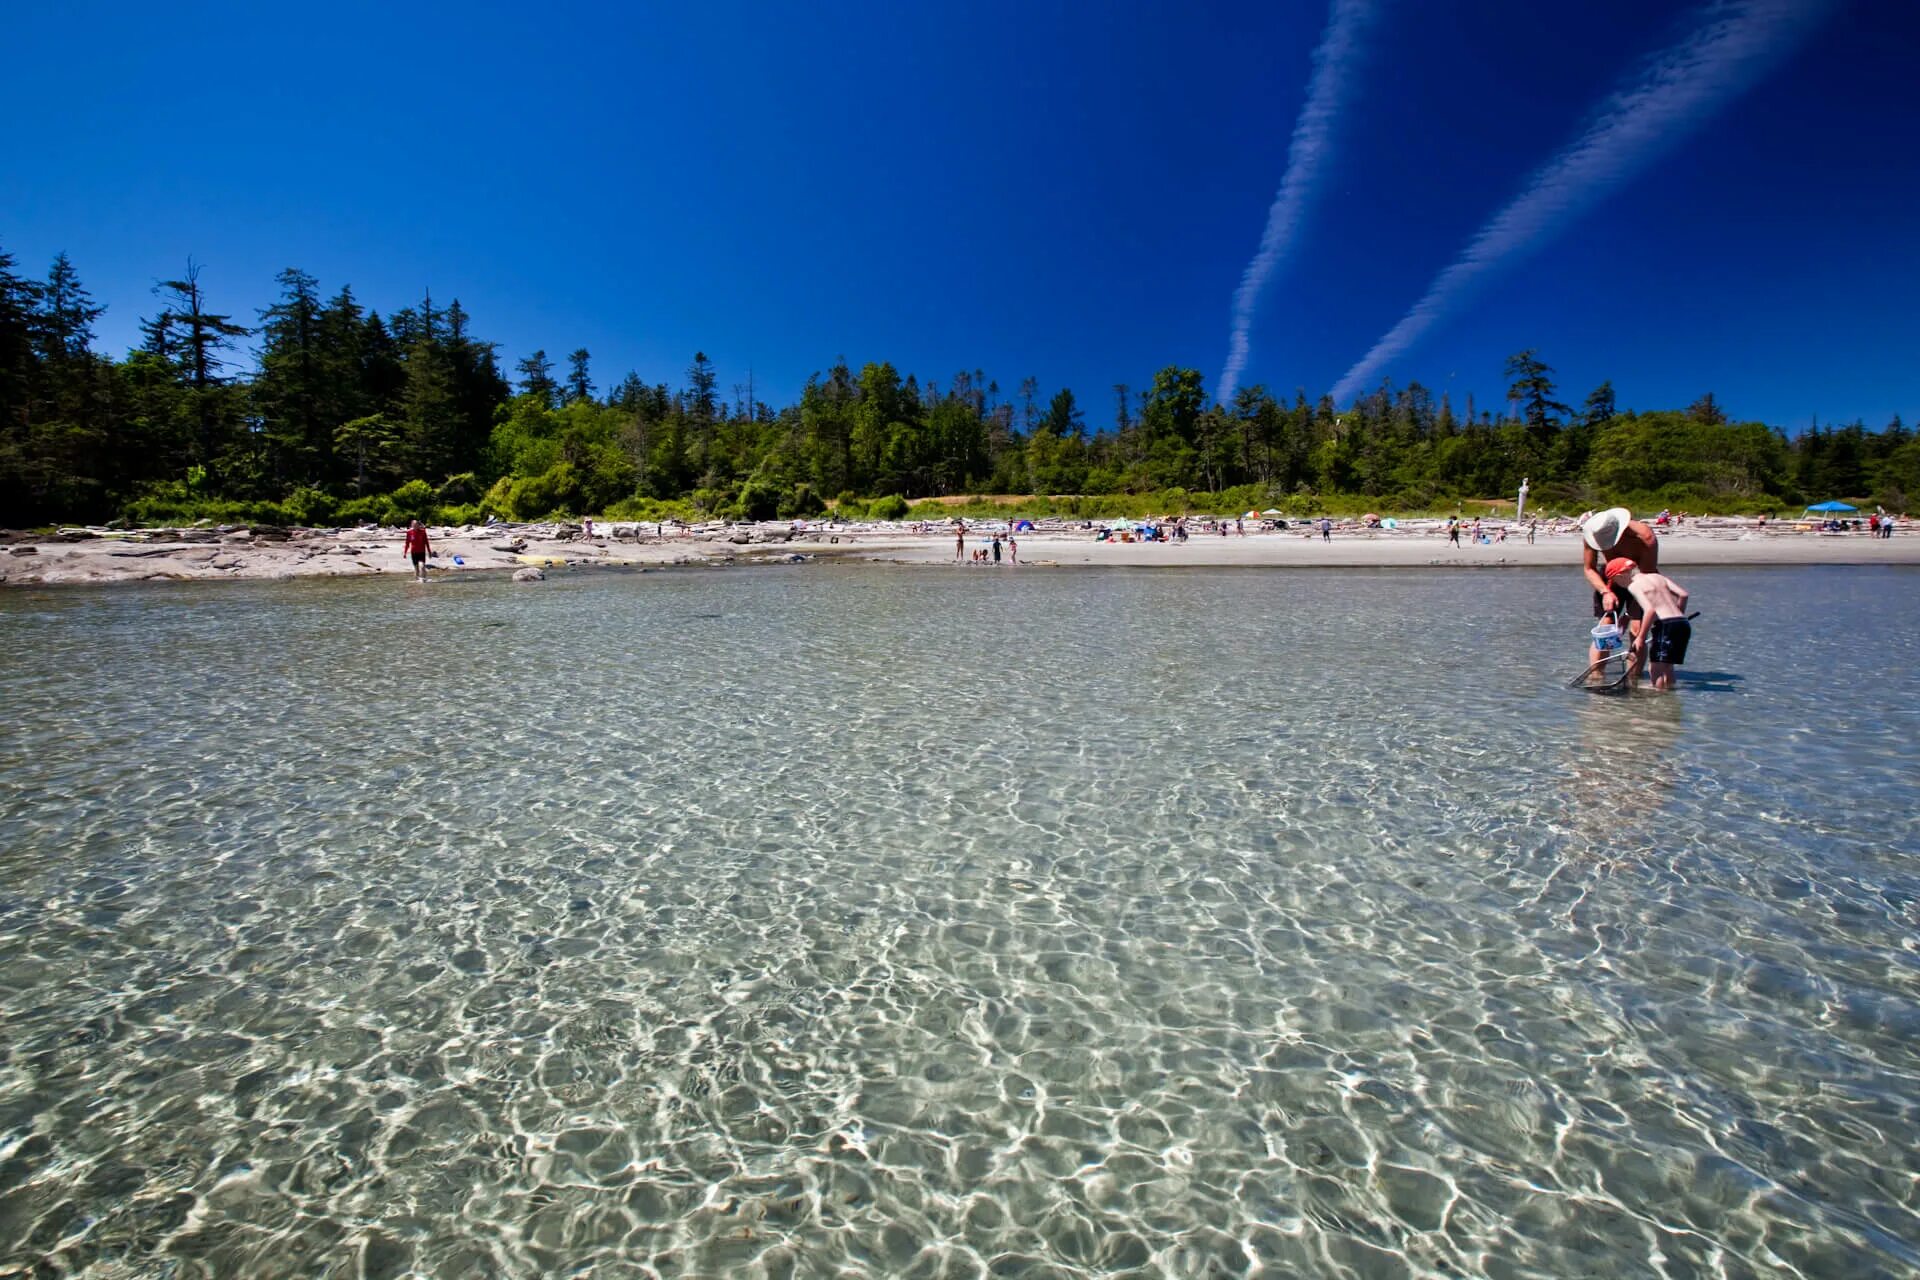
point(638, 508)
point(462, 488)
point(757, 501)
point(891, 507)
point(413, 496)
point(554, 492)
point(499, 499)
point(458, 514)
point(311, 507)
point(376, 509)
point(801, 501)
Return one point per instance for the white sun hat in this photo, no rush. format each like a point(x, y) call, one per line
point(1603, 530)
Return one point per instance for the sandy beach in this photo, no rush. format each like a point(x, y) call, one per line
point(76, 556)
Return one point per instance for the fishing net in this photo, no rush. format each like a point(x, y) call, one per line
point(1608, 675)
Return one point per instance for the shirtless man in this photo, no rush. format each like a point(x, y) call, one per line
point(1607, 535)
point(1663, 631)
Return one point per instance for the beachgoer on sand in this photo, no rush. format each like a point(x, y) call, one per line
point(416, 548)
point(1013, 550)
point(996, 548)
point(960, 542)
point(1662, 631)
point(1453, 530)
point(1607, 535)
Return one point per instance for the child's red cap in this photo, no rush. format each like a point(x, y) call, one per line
point(1617, 566)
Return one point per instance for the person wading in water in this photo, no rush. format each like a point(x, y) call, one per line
point(1609, 535)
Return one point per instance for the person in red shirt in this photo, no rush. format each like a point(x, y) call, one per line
point(417, 550)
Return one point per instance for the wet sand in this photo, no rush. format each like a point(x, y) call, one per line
point(77, 556)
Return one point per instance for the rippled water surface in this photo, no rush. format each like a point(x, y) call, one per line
point(824, 921)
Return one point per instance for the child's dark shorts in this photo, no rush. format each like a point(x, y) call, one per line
point(1669, 642)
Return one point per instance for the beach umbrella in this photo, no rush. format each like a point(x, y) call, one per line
point(1832, 506)
point(1272, 511)
point(1251, 515)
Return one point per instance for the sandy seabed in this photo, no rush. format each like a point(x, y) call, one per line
point(81, 556)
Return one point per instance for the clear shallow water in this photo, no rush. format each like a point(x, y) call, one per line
point(826, 921)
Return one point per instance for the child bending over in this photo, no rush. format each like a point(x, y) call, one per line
point(1661, 632)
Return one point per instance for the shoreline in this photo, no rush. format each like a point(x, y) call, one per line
point(78, 557)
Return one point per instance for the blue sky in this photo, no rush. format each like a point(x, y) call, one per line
point(1066, 192)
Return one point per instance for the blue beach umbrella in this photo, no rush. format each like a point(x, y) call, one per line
point(1832, 506)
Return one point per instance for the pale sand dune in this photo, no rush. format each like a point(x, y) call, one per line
point(238, 555)
point(1350, 549)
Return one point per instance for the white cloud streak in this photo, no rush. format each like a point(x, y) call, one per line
point(1312, 137)
point(1733, 45)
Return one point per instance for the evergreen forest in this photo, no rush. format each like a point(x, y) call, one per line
point(320, 410)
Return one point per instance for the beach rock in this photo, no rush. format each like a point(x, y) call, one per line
point(741, 539)
point(529, 574)
point(23, 551)
point(270, 533)
point(238, 535)
point(511, 548)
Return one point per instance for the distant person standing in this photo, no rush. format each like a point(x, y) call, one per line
point(1326, 529)
point(1013, 550)
point(960, 543)
point(1531, 526)
point(996, 548)
point(417, 549)
point(1453, 530)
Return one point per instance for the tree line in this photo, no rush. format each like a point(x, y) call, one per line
point(337, 413)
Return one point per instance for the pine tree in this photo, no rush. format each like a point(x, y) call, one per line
point(1599, 407)
point(66, 315)
point(1707, 410)
point(1533, 390)
point(429, 418)
point(579, 385)
point(194, 339)
point(17, 359)
point(536, 378)
point(287, 390)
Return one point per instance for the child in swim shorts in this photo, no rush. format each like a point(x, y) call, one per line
point(1661, 632)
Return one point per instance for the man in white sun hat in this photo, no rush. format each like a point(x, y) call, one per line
point(1613, 534)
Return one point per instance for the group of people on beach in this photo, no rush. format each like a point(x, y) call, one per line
point(1455, 528)
point(981, 554)
point(1621, 559)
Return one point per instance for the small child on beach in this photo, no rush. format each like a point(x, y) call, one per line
point(1662, 631)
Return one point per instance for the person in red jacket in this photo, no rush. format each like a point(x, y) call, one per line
point(417, 550)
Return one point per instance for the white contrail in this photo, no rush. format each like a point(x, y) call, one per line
point(1339, 45)
point(1734, 44)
